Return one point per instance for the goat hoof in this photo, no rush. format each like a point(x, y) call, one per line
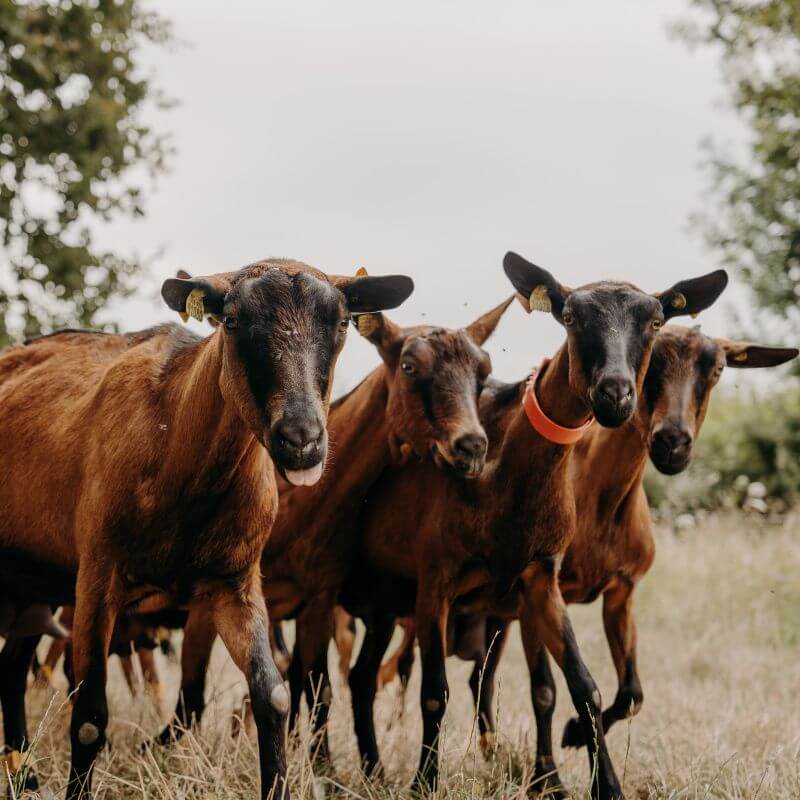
point(424, 784)
point(167, 736)
point(573, 734)
point(29, 784)
point(488, 743)
point(546, 783)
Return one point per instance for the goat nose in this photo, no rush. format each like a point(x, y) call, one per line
point(300, 433)
point(616, 390)
point(471, 445)
point(674, 438)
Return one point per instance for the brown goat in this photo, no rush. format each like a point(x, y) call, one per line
point(433, 544)
point(613, 546)
point(422, 400)
point(139, 469)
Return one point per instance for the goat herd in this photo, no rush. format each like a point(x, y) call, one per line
point(162, 479)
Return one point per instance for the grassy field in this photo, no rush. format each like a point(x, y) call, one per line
point(719, 631)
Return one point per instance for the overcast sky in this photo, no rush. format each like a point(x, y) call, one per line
point(429, 138)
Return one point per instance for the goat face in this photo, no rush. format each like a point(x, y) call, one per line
point(433, 398)
point(611, 328)
point(685, 367)
point(435, 376)
point(283, 326)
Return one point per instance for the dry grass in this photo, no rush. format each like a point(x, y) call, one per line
point(719, 620)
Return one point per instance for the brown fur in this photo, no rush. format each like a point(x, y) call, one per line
point(613, 546)
point(459, 546)
point(311, 547)
point(139, 464)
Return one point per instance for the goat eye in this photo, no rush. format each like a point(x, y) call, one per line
point(408, 367)
point(344, 323)
point(657, 323)
point(231, 323)
point(567, 318)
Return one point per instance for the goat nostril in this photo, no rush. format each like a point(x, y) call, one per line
point(674, 441)
point(300, 436)
point(618, 392)
point(472, 445)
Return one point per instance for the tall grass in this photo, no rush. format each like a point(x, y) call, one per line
point(719, 653)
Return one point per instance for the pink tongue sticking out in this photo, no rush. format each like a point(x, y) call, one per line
point(304, 477)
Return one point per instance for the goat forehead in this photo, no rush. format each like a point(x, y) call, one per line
point(288, 301)
point(687, 346)
point(453, 350)
point(617, 301)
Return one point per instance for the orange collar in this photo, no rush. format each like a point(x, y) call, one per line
point(542, 424)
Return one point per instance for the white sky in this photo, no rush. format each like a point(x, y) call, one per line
point(429, 138)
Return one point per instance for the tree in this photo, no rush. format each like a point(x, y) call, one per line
point(73, 151)
point(756, 227)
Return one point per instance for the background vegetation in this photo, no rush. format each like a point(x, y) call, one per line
point(73, 153)
point(752, 227)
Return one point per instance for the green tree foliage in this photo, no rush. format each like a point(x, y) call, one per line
point(756, 227)
point(73, 150)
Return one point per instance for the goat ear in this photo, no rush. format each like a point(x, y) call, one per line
point(365, 294)
point(381, 332)
point(538, 289)
point(745, 355)
point(483, 327)
point(195, 297)
point(694, 295)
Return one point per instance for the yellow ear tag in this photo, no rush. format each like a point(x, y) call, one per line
point(741, 356)
point(679, 301)
point(194, 304)
point(540, 300)
point(365, 323)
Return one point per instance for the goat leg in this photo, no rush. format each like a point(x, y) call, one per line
point(15, 661)
point(363, 686)
point(620, 627)
point(400, 663)
point(432, 634)
point(313, 633)
point(198, 641)
point(482, 680)
point(344, 634)
point(545, 609)
point(240, 617)
point(546, 780)
point(96, 610)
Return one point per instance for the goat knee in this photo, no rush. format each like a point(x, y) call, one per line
point(88, 730)
point(279, 698)
point(434, 698)
point(544, 699)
